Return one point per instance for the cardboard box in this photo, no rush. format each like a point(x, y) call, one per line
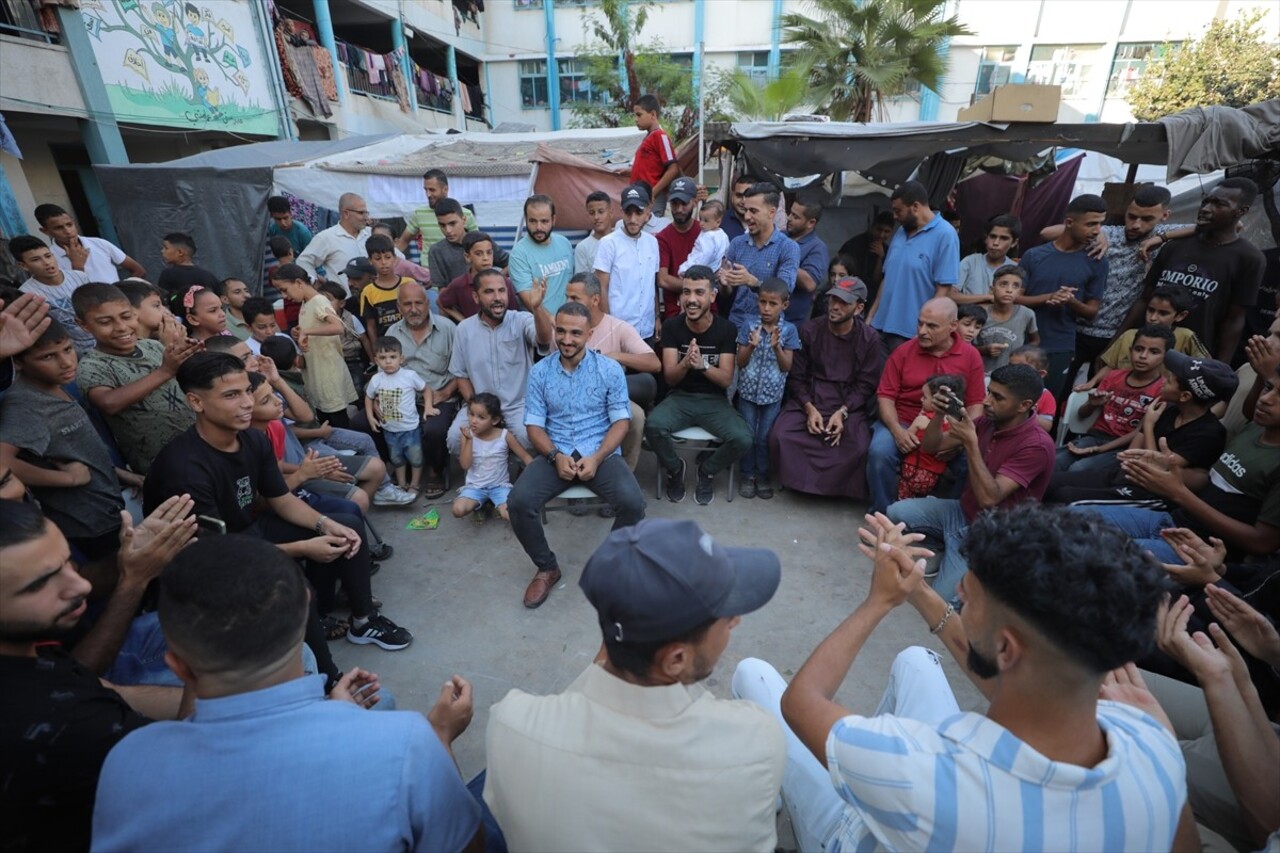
point(1027, 102)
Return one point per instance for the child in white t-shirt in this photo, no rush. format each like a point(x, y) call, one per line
point(486, 445)
point(390, 403)
point(708, 250)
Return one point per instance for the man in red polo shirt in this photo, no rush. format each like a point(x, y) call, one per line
point(936, 349)
point(1010, 460)
point(675, 242)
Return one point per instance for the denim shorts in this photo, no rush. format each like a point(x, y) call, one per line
point(497, 495)
point(405, 445)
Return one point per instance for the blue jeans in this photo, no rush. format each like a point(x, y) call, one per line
point(1142, 525)
point(141, 656)
point(945, 526)
point(884, 462)
point(1068, 461)
point(402, 446)
point(760, 417)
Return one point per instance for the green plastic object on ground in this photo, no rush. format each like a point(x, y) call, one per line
point(429, 520)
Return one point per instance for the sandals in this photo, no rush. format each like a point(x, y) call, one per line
point(334, 628)
point(433, 490)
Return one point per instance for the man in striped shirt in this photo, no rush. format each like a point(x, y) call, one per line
point(1055, 605)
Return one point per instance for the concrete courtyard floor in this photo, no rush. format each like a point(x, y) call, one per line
point(459, 588)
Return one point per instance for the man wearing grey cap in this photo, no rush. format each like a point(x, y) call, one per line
point(636, 755)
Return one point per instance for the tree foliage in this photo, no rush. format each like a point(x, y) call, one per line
point(1230, 65)
point(745, 99)
point(614, 30)
point(860, 53)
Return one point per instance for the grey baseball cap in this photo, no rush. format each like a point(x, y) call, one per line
point(1207, 379)
point(849, 290)
point(682, 189)
point(635, 196)
point(663, 578)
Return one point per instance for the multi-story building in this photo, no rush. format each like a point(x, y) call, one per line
point(147, 80)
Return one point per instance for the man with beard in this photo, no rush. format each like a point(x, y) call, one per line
point(1222, 269)
point(819, 441)
point(811, 270)
point(922, 262)
point(627, 265)
point(763, 252)
point(495, 350)
point(1073, 752)
point(735, 217)
point(423, 222)
point(636, 754)
point(426, 340)
point(1010, 460)
point(1126, 266)
point(698, 350)
point(675, 242)
point(576, 412)
point(58, 719)
point(541, 256)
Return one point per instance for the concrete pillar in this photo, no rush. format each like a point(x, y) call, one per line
point(324, 29)
point(459, 115)
point(401, 44)
point(553, 71)
point(775, 41)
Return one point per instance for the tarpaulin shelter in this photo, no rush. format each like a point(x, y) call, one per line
point(219, 197)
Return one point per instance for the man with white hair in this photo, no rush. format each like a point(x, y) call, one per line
point(334, 247)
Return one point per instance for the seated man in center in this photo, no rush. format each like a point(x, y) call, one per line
point(698, 357)
point(820, 439)
point(577, 413)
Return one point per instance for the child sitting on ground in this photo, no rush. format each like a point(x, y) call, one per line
point(1008, 324)
point(765, 351)
point(978, 271)
point(971, 318)
point(148, 306)
point(486, 446)
point(1123, 396)
point(920, 470)
point(708, 250)
point(201, 310)
point(1038, 360)
point(1169, 305)
point(390, 406)
point(233, 292)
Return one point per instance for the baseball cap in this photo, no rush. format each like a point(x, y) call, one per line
point(662, 578)
point(635, 196)
point(682, 189)
point(1207, 379)
point(849, 290)
point(359, 266)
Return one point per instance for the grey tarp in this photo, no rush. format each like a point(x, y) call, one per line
point(218, 197)
point(1206, 139)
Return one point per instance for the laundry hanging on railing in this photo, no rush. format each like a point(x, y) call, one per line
point(434, 92)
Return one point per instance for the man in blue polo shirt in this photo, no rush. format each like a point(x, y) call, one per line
point(802, 226)
point(577, 412)
point(763, 252)
point(922, 263)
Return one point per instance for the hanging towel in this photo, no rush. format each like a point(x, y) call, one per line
point(374, 63)
point(466, 98)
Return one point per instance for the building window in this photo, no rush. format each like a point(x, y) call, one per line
point(755, 64)
point(574, 85)
point(1071, 66)
point(1131, 61)
point(995, 66)
point(533, 83)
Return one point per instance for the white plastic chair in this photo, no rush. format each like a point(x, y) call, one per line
point(1071, 421)
point(694, 438)
point(574, 493)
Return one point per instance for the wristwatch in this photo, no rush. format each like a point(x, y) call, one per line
point(551, 457)
point(320, 524)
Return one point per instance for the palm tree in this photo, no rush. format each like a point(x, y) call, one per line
point(750, 101)
point(864, 51)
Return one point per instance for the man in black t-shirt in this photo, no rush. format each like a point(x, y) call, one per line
point(698, 350)
point(226, 467)
point(58, 720)
point(1221, 269)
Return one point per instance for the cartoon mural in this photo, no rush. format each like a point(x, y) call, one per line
point(173, 63)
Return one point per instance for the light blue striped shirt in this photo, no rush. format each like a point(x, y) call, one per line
point(971, 785)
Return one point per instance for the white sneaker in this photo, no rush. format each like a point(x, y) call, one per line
point(407, 496)
point(391, 495)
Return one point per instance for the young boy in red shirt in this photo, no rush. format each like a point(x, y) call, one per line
point(655, 159)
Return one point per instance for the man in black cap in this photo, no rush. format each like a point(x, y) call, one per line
point(636, 755)
point(676, 241)
point(627, 265)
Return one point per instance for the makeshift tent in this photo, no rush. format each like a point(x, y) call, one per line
point(219, 197)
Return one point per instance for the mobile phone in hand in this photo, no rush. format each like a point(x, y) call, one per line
point(949, 403)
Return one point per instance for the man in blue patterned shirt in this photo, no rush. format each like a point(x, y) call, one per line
point(577, 412)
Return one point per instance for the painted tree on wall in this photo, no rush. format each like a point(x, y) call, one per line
point(1230, 65)
point(861, 53)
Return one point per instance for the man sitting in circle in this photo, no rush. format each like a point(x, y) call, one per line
point(577, 413)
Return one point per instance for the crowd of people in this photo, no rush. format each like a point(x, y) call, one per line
point(267, 421)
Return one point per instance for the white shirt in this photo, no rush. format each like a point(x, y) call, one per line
point(707, 250)
point(397, 395)
point(332, 249)
point(632, 265)
point(609, 765)
point(584, 254)
point(101, 264)
point(970, 784)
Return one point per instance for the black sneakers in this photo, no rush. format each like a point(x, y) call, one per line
point(380, 631)
point(705, 491)
point(675, 484)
